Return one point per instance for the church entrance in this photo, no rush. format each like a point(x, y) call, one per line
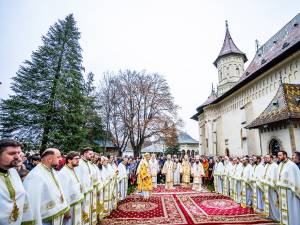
point(274, 147)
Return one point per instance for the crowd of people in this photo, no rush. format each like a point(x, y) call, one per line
point(82, 188)
point(77, 188)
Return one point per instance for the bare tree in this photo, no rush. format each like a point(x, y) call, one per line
point(136, 106)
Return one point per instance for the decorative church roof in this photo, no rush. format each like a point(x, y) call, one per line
point(229, 47)
point(284, 106)
point(283, 44)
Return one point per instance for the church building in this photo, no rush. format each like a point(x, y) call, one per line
point(254, 110)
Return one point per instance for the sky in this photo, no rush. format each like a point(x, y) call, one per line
point(178, 39)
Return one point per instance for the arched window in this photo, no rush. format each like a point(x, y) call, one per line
point(227, 152)
point(188, 153)
point(193, 154)
point(274, 147)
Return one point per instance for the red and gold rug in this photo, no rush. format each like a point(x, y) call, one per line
point(182, 206)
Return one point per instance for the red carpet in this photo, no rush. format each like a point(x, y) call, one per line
point(181, 206)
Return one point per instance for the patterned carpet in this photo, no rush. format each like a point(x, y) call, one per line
point(181, 206)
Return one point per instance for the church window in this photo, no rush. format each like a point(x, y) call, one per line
point(237, 71)
point(274, 147)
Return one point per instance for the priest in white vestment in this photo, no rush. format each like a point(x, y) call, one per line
point(13, 199)
point(197, 174)
point(269, 180)
point(177, 171)
point(72, 188)
point(246, 184)
point(228, 168)
point(123, 178)
point(218, 173)
point(84, 172)
point(114, 182)
point(236, 177)
point(288, 184)
point(45, 194)
point(95, 173)
point(168, 171)
point(258, 190)
point(154, 168)
point(106, 176)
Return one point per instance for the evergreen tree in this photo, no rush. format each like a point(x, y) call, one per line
point(93, 123)
point(47, 107)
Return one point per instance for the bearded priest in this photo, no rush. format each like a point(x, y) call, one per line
point(84, 171)
point(269, 180)
point(14, 206)
point(246, 185)
point(144, 178)
point(197, 174)
point(72, 188)
point(123, 178)
point(45, 193)
point(168, 170)
point(288, 183)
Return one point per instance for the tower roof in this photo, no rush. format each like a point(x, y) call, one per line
point(229, 47)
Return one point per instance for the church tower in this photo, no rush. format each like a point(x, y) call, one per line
point(230, 64)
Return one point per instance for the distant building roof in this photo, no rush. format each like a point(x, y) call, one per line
point(153, 148)
point(284, 43)
point(102, 143)
point(229, 47)
point(285, 105)
point(184, 138)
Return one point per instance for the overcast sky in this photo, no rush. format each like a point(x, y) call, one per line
point(178, 39)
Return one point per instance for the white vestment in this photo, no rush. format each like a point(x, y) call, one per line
point(95, 193)
point(84, 173)
point(113, 184)
point(106, 177)
point(226, 178)
point(288, 183)
point(177, 173)
point(197, 173)
point(154, 168)
point(13, 199)
point(218, 173)
point(269, 180)
point(122, 180)
point(246, 186)
point(72, 189)
point(236, 177)
point(45, 195)
point(258, 190)
point(168, 170)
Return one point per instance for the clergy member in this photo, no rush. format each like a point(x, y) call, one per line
point(123, 178)
point(45, 194)
point(185, 172)
point(218, 173)
point(177, 171)
point(228, 167)
point(154, 168)
point(197, 174)
point(106, 177)
point(168, 171)
point(236, 176)
point(12, 193)
point(258, 170)
point(72, 188)
point(144, 178)
point(269, 180)
point(288, 183)
point(85, 176)
point(246, 184)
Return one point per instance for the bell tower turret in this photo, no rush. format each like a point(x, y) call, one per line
point(230, 64)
